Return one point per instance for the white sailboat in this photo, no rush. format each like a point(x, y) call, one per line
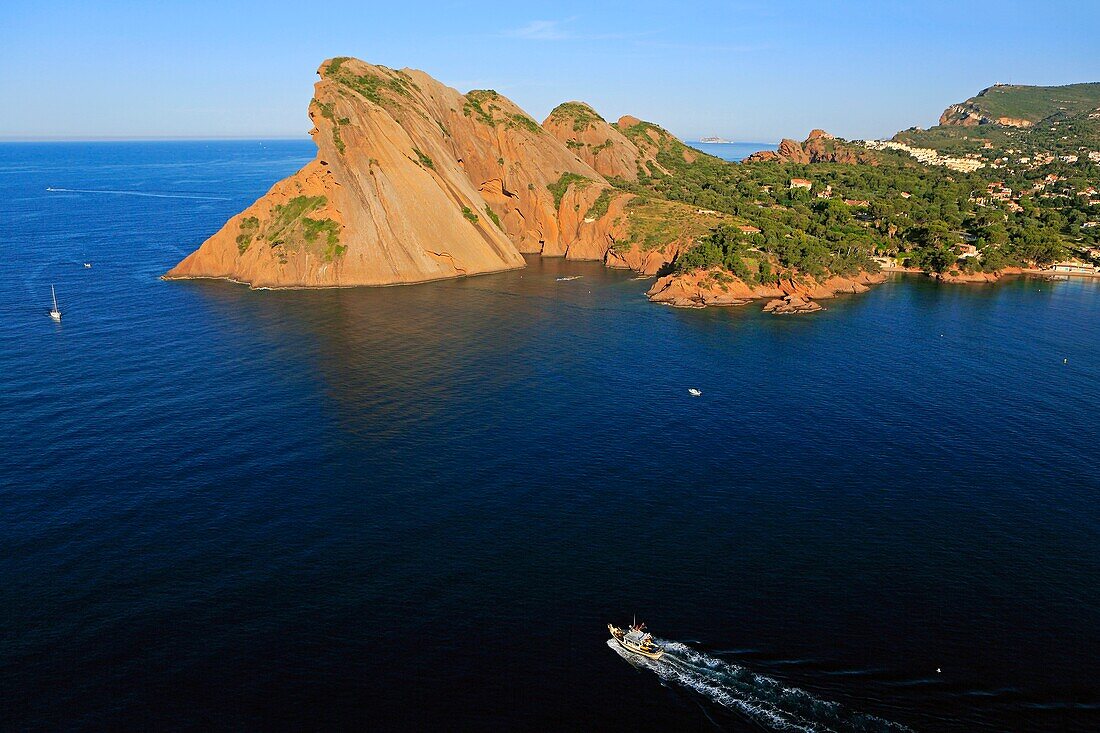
point(55, 313)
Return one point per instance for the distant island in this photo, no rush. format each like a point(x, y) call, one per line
point(715, 140)
point(414, 181)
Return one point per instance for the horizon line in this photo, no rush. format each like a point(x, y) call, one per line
point(142, 138)
point(241, 138)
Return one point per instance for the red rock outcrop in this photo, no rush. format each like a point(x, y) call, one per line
point(714, 287)
point(792, 305)
point(818, 147)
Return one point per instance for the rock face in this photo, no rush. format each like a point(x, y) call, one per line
point(414, 181)
point(818, 147)
point(1022, 106)
point(970, 115)
point(710, 287)
point(597, 143)
point(402, 206)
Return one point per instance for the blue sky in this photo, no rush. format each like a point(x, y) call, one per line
point(754, 71)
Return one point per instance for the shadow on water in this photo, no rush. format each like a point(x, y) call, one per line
point(446, 344)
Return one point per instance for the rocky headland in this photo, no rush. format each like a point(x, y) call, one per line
point(414, 181)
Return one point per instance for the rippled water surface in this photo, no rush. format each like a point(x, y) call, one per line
point(420, 506)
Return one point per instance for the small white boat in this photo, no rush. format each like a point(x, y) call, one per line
point(55, 313)
point(88, 265)
point(567, 279)
point(694, 392)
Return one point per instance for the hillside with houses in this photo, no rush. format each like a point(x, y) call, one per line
point(1009, 181)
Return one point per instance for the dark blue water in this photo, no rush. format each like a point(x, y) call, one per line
point(418, 507)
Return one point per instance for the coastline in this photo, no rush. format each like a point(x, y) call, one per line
point(1047, 274)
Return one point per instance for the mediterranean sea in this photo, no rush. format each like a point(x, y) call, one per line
point(418, 507)
point(732, 150)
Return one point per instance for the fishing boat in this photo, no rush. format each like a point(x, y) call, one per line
point(55, 313)
point(636, 639)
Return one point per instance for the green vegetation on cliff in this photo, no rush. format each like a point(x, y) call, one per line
point(559, 187)
point(654, 223)
point(518, 119)
point(597, 149)
point(313, 228)
point(286, 216)
point(599, 206)
point(484, 105)
point(670, 151)
point(328, 113)
point(249, 226)
point(423, 158)
point(923, 216)
point(380, 88)
point(1035, 103)
point(480, 104)
point(493, 216)
point(288, 228)
point(580, 114)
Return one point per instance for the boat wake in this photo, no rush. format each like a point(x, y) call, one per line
point(762, 700)
point(138, 193)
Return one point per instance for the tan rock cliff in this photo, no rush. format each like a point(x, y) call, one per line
point(970, 115)
point(414, 181)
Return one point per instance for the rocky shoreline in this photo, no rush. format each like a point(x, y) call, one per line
point(960, 276)
point(798, 294)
